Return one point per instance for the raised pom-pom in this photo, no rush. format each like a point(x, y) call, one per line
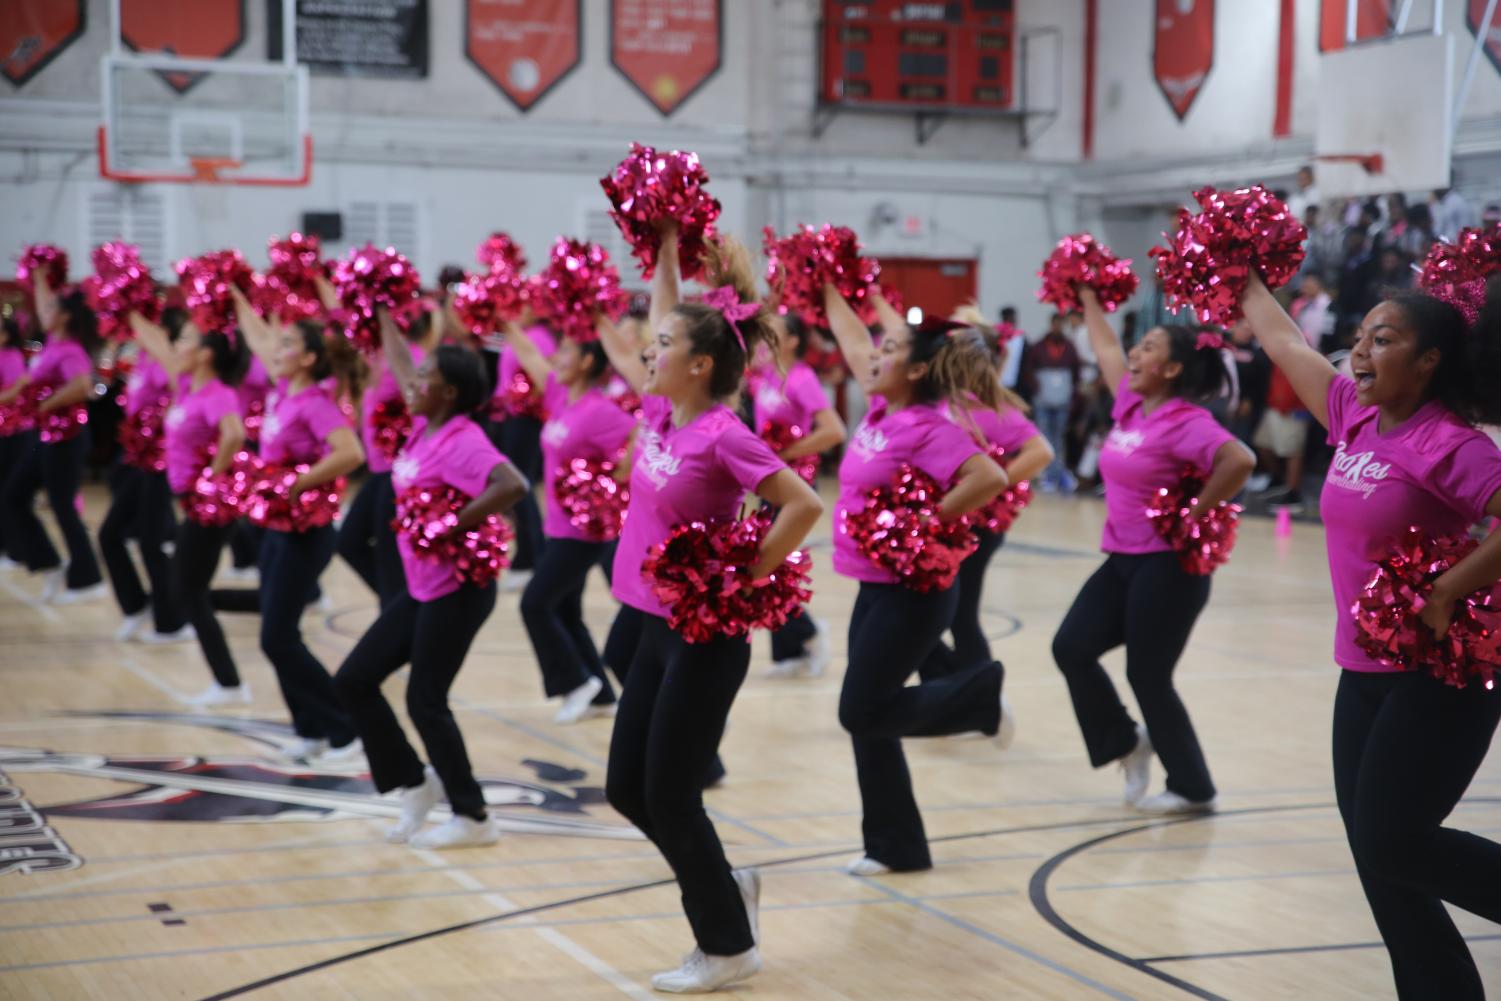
point(702, 573)
point(1208, 260)
point(367, 278)
point(120, 285)
point(499, 252)
point(1082, 260)
point(427, 519)
point(578, 282)
point(648, 188)
point(484, 302)
point(50, 261)
point(899, 529)
point(589, 495)
point(288, 289)
point(1457, 272)
point(800, 264)
point(779, 436)
point(1202, 543)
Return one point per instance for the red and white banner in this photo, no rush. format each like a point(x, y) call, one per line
point(33, 32)
point(1182, 50)
point(524, 47)
point(667, 49)
point(1372, 20)
point(1493, 30)
point(190, 29)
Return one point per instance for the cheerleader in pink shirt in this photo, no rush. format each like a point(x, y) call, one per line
point(694, 460)
point(12, 369)
point(1141, 597)
point(785, 391)
point(245, 539)
point(431, 626)
point(1408, 452)
point(909, 378)
point(516, 430)
point(53, 462)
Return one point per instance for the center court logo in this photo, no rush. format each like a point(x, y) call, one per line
point(1357, 471)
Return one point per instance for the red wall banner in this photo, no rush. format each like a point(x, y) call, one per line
point(33, 32)
point(1182, 50)
point(191, 29)
point(1493, 34)
point(524, 47)
point(667, 49)
point(1372, 19)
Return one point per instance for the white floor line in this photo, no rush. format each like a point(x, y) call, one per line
point(551, 936)
point(44, 611)
point(151, 678)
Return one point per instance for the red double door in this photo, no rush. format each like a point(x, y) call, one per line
point(938, 285)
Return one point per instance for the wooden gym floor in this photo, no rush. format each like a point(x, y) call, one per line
point(210, 870)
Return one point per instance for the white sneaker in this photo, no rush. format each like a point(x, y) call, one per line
point(241, 575)
point(1007, 731)
point(416, 803)
point(130, 626)
point(1168, 803)
point(79, 595)
point(217, 695)
point(781, 670)
point(819, 650)
point(701, 974)
point(1138, 767)
point(576, 702)
point(513, 581)
point(6, 563)
point(336, 757)
point(186, 634)
point(54, 583)
point(305, 749)
point(457, 832)
point(866, 866)
point(749, 881)
point(1258, 482)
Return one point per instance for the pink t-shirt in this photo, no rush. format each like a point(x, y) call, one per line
point(254, 387)
point(698, 472)
point(60, 361)
point(590, 427)
point(147, 385)
point(192, 425)
point(1008, 428)
point(509, 366)
point(918, 435)
point(12, 365)
point(457, 455)
point(385, 388)
point(1145, 452)
point(298, 424)
point(1432, 470)
point(791, 400)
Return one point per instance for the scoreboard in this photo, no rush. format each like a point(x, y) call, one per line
point(923, 55)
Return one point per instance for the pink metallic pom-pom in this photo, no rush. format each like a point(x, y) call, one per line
point(1457, 272)
point(1202, 544)
point(367, 278)
point(701, 572)
point(801, 263)
point(588, 493)
point(780, 435)
point(517, 398)
point(1082, 260)
point(288, 289)
point(141, 437)
point(1208, 261)
point(255, 416)
point(578, 282)
point(1000, 514)
point(500, 252)
point(206, 283)
point(391, 426)
point(15, 417)
point(484, 302)
point(427, 518)
point(120, 285)
point(1386, 614)
point(899, 530)
point(271, 501)
point(51, 261)
point(649, 187)
point(217, 498)
point(61, 424)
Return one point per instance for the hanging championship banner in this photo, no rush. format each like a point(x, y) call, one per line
point(188, 29)
point(524, 47)
point(1492, 31)
point(355, 37)
point(1183, 50)
point(667, 49)
point(1372, 20)
point(34, 32)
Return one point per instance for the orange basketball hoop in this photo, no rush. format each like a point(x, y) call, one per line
point(206, 168)
point(1371, 163)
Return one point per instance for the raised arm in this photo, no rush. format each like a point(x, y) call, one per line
point(46, 300)
point(1106, 345)
point(625, 356)
point(158, 345)
point(528, 354)
point(798, 510)
point(1309, 372)
point(852, 336)
point(398, 353)
point(262, 338)
point(664, 284)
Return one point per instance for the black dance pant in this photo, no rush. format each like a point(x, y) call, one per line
point(291, 563)
point(1406, 746)
point(1148, 602)
point(672, 714)
point(12, 447)
point(971, 648)
point(368, 543)
point(520, 438)
point(245, 544)
point(552, 607)
point(141, 509)
point(194, 561)
point(434, 637)
point(58, 469)
point(892, 630)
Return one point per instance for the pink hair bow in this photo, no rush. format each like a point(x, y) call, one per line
point(1212, 341)
point(727, 301)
